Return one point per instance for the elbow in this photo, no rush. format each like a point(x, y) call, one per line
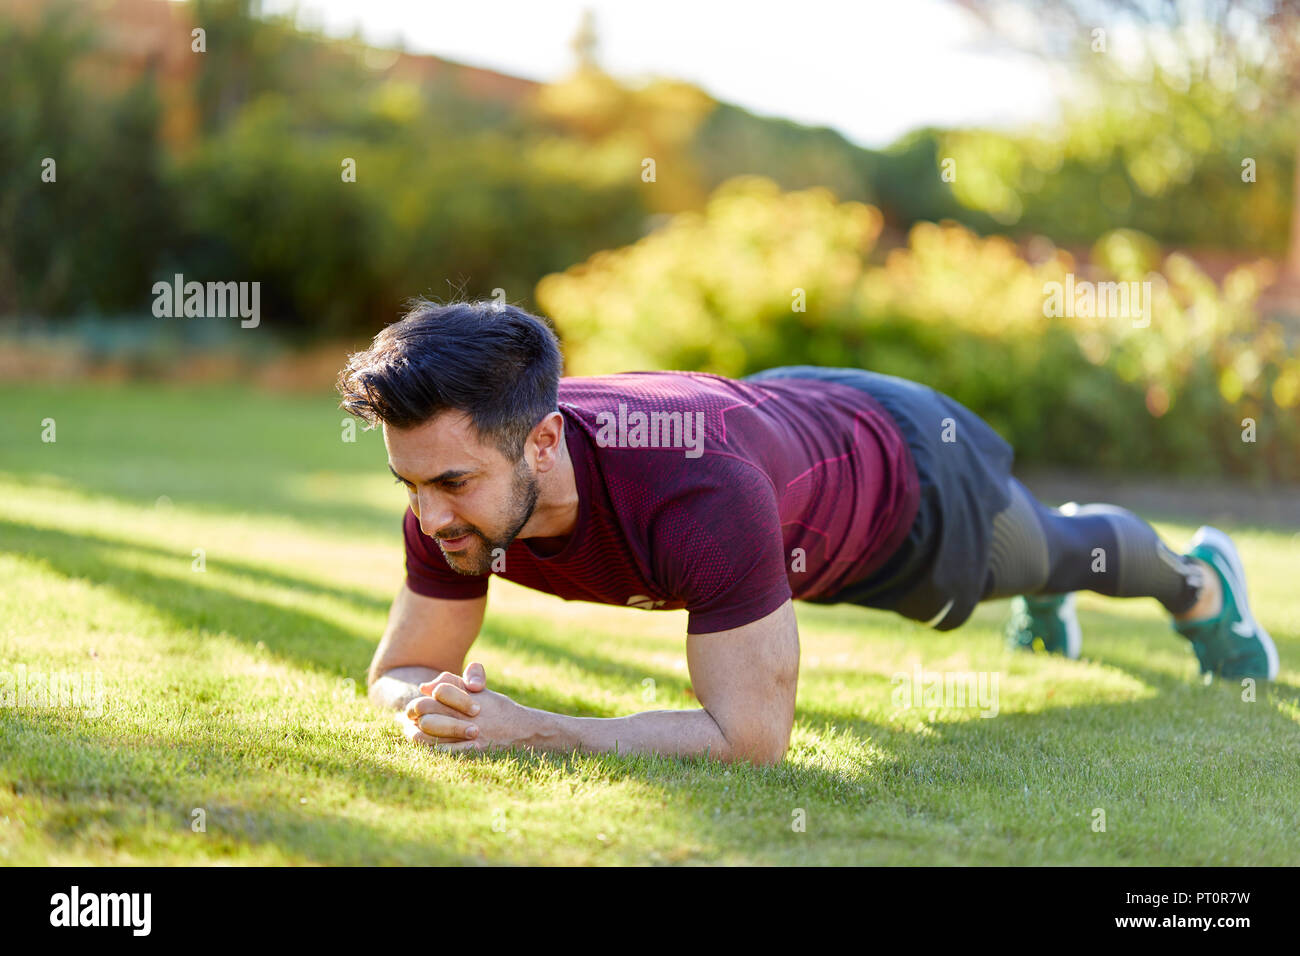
point(773, 751)
point(379, 666)
point(765, 741)
point(374, 694)
point(374, 689)
point(761, 741)
point(766, 750)
point(768, 755)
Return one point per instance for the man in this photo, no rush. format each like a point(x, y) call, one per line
point(728, 498)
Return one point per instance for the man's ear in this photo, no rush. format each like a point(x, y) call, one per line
point(547, 441)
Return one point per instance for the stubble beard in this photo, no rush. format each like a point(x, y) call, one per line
point(524, 492)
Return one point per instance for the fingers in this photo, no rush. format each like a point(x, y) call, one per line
point(420, 706)
point(458, 746)
point(446, 677)
point(475, 679)
point(440, 725)
point(475, 676)
point(415, 735)
point(438, 720)
point(447, 700)
point(456, 699)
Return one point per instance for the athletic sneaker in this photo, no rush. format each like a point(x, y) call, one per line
point(1046, 621)
point(1231, 644)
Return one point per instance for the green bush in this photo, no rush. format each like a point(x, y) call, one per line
point(719, 291)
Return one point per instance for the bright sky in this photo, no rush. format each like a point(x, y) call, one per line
point(871, 69)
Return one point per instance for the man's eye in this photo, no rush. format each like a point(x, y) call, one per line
point(401, 481)
point(455, 484)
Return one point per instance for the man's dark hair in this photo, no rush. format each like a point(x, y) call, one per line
point(497, 363)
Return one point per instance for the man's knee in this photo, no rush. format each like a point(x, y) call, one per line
point(1019, 557)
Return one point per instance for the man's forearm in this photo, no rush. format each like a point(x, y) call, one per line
point(397, 687)
point(669, 732)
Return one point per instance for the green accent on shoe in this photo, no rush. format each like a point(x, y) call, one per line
point(1231, 644)
point(1045, 622)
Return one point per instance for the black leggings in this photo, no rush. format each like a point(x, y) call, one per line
point(1102, 548)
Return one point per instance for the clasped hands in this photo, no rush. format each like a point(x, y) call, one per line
point(460, 713)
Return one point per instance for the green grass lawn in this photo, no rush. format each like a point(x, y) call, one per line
point(239, 690)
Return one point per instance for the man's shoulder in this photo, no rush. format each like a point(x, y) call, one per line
point(624, 415)
point(641, 386)
point(659, 444)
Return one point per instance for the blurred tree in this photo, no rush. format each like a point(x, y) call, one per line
point(905, 185)
point(1215, 61)
point(731, 141)
point(763, 277)
point(625, 129)
point(87, 237)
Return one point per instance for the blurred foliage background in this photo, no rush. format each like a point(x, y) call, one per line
point(227, 166)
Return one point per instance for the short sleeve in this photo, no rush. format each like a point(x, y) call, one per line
point(427, 571)
point(720, 549)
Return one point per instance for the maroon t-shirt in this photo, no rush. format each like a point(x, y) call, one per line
point(791, 488)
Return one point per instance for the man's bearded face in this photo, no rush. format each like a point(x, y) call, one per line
point(466, 494)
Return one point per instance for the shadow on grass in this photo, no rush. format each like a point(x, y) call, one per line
point(231, 785)
point(512, 636)
point(1017, 736)
point(1115, 627)
point(308, 640)
point(1183, 742)
point(995, 756)
point(1002, 760)
point(259, 495)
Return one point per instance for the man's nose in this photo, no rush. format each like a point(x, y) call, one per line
point(434, 514)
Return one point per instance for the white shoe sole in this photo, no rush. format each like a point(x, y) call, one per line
point(1222, 543)
point(1073, 635)
point(1068, 615)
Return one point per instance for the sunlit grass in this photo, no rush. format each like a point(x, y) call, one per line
point(238, 691)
